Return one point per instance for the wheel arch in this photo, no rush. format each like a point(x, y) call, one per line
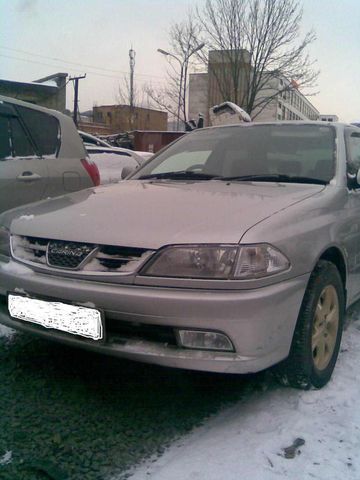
point(335, 255)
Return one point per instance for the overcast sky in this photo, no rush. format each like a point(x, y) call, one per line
point(41, 37)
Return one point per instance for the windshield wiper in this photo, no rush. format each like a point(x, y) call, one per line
point(275, 177)
point(180, 175)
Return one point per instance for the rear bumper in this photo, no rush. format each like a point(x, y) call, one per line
point(260, 322)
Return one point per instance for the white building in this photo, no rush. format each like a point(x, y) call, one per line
point(288, 102)
point(329, 118)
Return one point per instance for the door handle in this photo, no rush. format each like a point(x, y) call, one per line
point(28, 177)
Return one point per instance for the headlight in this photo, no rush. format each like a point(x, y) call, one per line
point(262, 260)
point(220, 262)
point(4, 242)
point(194, 262)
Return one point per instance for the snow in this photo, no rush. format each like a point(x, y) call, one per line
point(110, 165)
point(26, 217)
point(6, 458)
point(48, 83)
point(6, 332)
point(94, 265)
point(15, 268)
point(247, 441)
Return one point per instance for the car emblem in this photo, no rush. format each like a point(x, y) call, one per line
point(68, 255)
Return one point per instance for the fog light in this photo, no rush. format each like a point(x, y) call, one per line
point(204, 340)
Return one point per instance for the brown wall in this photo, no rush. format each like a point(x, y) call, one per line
point(120, 118)
point(154, 141)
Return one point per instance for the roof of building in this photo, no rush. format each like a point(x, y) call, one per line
point(28, 85)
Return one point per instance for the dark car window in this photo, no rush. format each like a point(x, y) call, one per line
point(21, 144)
point(89, 140)
point(5, 147)
point(43, 128)
point(353, 151)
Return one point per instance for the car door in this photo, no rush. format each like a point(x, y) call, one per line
point(23, 173)
point(352, 139)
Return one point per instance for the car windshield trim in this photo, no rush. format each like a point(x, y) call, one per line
point(180, 175)
point(274, 177)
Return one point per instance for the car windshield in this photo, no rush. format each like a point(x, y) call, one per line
point(286, 153)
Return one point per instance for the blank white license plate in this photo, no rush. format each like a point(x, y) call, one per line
point(73, 319)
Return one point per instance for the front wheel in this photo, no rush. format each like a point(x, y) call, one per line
point(316, 342)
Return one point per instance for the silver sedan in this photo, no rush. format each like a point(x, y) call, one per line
point(235, 249)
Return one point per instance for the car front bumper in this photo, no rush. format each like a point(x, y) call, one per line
point(259, 322)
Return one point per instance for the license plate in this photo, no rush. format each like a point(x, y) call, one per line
point(73, 319)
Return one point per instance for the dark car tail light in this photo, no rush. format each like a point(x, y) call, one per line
point(92, 170)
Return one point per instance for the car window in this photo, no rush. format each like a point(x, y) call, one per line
point(44, 129)
point(21, 144)
point(353, 151)
point(183, 161)
point(5, 147)
point(293, 150)
point(89, 140)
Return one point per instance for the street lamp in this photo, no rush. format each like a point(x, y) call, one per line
point(183, 74)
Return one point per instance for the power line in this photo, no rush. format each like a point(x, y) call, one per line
point(69, 62)
point(58, 66)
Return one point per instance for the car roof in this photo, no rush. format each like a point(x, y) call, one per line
point(279, 123)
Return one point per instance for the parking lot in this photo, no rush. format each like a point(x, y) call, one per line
point(69, 414)
point(66, 413)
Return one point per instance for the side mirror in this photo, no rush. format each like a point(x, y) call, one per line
point(127, 171)
point(358, 177)
point(353, 180)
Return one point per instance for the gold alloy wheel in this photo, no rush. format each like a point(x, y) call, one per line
point(325, 327)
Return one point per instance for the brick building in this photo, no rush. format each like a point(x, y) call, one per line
point(121, 118)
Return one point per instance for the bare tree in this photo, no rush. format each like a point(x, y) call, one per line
point(183, 45)
point(257, 42)
point(123, 94)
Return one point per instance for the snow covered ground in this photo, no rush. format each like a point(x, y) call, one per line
point(247, 441)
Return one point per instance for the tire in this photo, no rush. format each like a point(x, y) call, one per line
point(316, 341)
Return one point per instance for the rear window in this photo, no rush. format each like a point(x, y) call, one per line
point(44, 130)
point(21, 144)
point(14, 140)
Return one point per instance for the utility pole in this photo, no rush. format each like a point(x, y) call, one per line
point(132, 54)
point(76, 96)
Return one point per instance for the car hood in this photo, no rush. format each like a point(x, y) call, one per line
point(152, 214)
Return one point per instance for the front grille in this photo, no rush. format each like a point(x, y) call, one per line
point(67, 254)
point(77, 256)
point(116, 257)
